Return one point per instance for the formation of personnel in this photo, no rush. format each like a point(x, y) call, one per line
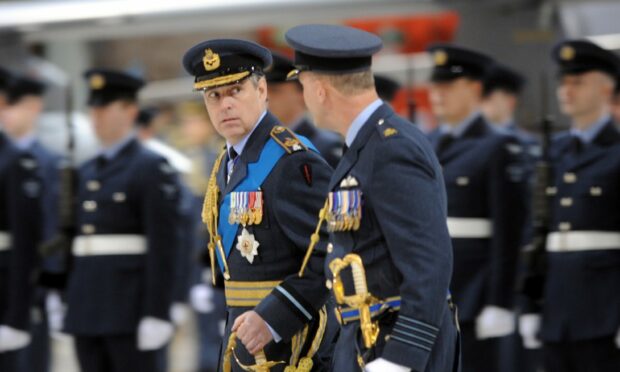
point(342, 237)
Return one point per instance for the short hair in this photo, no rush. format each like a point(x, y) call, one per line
point(255, 78)
point(351, 83)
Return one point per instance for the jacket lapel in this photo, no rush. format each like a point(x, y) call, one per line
point(479, 128)
point(119, 161)
point(608, 136)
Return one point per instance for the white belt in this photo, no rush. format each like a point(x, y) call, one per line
point(93, 245)
point(5, 241)
point(569, 241)
point(470, 227)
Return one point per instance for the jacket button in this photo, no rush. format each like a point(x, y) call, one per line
point(88, 229)
point(93, 185)
point(90, 205)
point(570, 177)
point(564, 226)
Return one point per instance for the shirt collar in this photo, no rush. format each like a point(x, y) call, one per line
point(462, 127)
point(112, 151)
point(25, 142)
point(589, 134)
point(360, 120)
point(241, 144)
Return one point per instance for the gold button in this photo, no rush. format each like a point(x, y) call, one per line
point(381, 121)
point(330, 248)
point(93, 185)
point(551, 191)
point(90, 205)
point(387, 338)
point(564, 226)
point(462, 181)
point(566, 202)
point(88, 229)
point(570, 177)
point(119, 197)
point(596, 191)
point(328, 284)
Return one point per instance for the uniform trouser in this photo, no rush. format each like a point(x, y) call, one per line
point(8, 361)
point(597, 355)
point(445, 356)
point(210, 333)
point(36, 357)
point(117, 353)
point(515, 358)
point(478, 355)
point(32, 358)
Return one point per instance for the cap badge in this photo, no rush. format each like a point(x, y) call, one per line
point(440, 57)
point(97, 81)
point(567, 53)
point(211, 61)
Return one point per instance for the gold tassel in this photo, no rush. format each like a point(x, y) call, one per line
point(210, 211)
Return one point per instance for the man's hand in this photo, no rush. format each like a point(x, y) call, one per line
point(529, 327)
point(13, 339)
point(253, 331)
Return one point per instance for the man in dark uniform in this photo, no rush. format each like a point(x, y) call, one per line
point(501, 93)
point(286, 102)
point(486, 185)
point(386, 210)
point(261, 206)
point(120, 289)
point(580, 324)
point(20, 232)
point(19, 120)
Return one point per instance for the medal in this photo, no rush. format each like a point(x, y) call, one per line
point(247, 245)
point(246, 208)
point(344, 209)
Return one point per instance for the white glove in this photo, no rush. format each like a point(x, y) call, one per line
point(384, 365)
point(153, 333)
point(201, 298)
point(179, 313)
point(529, 326)
point(13, 339)
point(55, 311)
point(618, 339)
point(494, 321)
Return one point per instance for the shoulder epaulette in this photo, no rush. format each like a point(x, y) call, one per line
point(287, 139)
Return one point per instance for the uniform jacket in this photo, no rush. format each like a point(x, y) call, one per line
point(136, 192)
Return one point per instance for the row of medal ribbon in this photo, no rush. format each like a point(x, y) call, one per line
point(344, 210)
point(246, 208)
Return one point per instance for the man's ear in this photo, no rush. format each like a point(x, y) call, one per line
point(323, 90)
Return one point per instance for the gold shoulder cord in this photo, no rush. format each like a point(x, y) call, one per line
point(210, 212)
point(314, 238)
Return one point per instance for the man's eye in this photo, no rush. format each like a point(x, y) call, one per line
point(235, 90)
point(213, 95)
